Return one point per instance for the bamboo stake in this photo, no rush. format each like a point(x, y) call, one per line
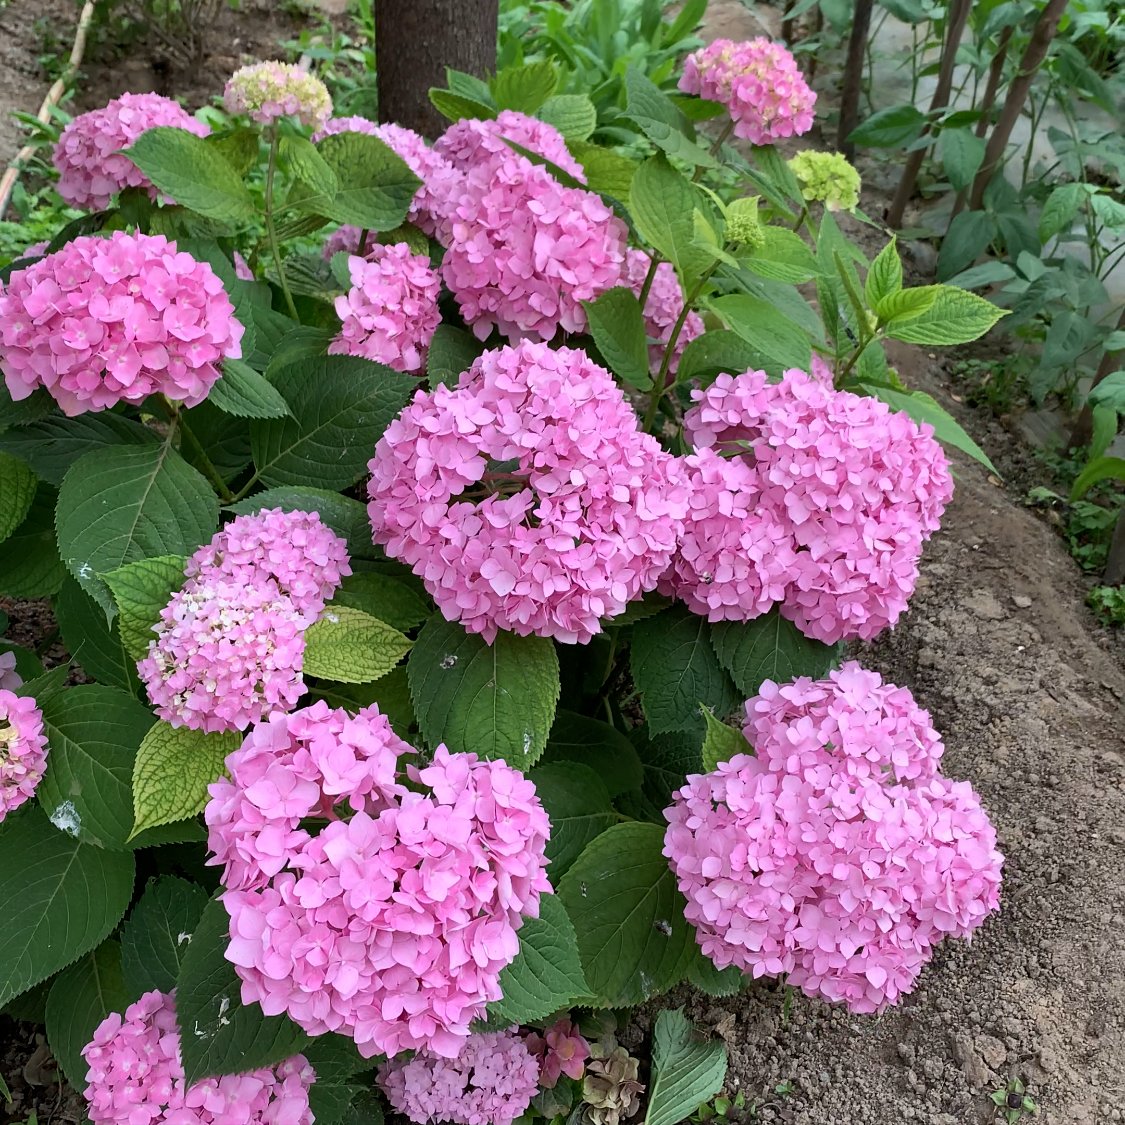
point(853, 76)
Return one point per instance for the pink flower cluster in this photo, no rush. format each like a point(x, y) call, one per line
point(760, 84)
point(827, 513)
point(393, 922)
point(10, 679)
point(490, 1082)
point(229, 646)
point(390, 313)
point(136, 1077)
point(269, 91)
point(92, 168)
point(482, 146)
point(23, 750)
point(561, 1049)
point(662, 309)
point(527, 499)
point(838, 855)
point(109, 320)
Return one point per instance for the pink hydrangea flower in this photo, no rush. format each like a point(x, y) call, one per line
point(859, 486)
point(825, 862)
point(109, 320)
point(307, 560)
point(268, 91)
point(472, 144)
point(242, 269)
point(23, 750)
point(584, 519)
point(662, 309)
point(92, 168)
point(227, 652)
point(390, 313)
point(561, 1049)
point(490, 1082)
point(136, 1077)
point(392, 925)
point(760, 84)
point(525, 252)
point(10, 679)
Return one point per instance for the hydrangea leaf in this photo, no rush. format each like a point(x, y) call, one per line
point(956, 317)
point(574, 115)
point(721, 742)
point(243, 393)
point(386, 597)
point(580, 808)
point(52, 445)
point(157, 934)
point(352, 647)
point(590, 742)
point(17, 493)
point(497, 700)
point(92, 641)
point(375, 185)
point(716, 982)
point(687, 1071)
point(635, 942)
point(714, 352)
point(173, 767)
point(61, 898)
point(663, 204)
point(781, 342)
point(524, 88)
point(618, 327)
point(141, 590)
point(30, 566)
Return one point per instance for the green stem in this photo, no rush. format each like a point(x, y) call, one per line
point(245, 490)
point(206, 464)
point(650, 277)
point(363, 236)
point(801, 217)
point(271, 230)
point(853, 359)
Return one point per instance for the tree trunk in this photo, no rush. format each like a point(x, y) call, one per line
point(415, 40)
point(995, 74)
point(853, 76)
point(1115, 561)
point(1040, 43)
point(1083, 429)
point(958, 18)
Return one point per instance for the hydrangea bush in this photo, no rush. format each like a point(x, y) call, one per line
point(459, 545)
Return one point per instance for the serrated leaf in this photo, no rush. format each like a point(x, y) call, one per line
point(720, 350)
point(455, 106)
point(715, 982)
point(81, 996)
point(1060, 210)
point(721, 743)
point(120, 505)
point(173, 767)
point(662, 203)
point(885, 275)
point(579, 806)
point(524, 88)
point(157, 934)
point(676, 670)
point(967, 238)
point(375, 185)
point(618, 327)
point(92, 640)
point(141, 590)
point(547, 972)
point(889, 128)
point(218, 1033)
point(61, 898)
point(30, 566)
point(389, 599)
point(340, 406)
point(956, 317)
point(634, 943)
point(495, 700)
point(661, 120)
point(352, 647)
point(769, 648)
point(51, 446)
point(17, 493)
point(589, 742)
point(782, 256)
point(345, 516)
point(782, 343)
point(452, 351)
point(574, 115)
point(687, 1071)
point(244, 393)
point(607, 172)
point(307, 165)
point(905, 304)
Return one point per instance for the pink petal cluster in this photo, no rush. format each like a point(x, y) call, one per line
point(268, 91)
point(92, 168)
point(662, 309)
point(306, 559)
point(10, 679)
point(490, 1082)
point(23, 750)
point(840, 863)
point(760, 84)
point(392, 923)
point(109, 320)
point(136, 1077)
point(857, 487)
point(561, 1049)
point(526, 498)
point(390, 313)
point(473, 145)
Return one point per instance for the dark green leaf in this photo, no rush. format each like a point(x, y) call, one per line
point(618, 327)
point(346, 517)
point(17, 493)
point(246, 394)
point(376, 187)
point(716, 352)
point(577, 738)
point(389, 599)
point(92, 640)
point(662, 203)
point(156, 936)
point(889, 128)
point(30, 566)
point(51, 446)
point(452, 351)
point(968, 237)
point(686, 1070)
point(782, 343)
point(580, 808)
point(962, 153)
point(769, 648)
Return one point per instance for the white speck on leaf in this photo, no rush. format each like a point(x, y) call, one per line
point(181, 938)
point(664, 927)
point(66, 819)
point(526, 743)
point(582, 889)
point(199, 1033)
point(334, 618)
point(224, 1004)
point(448, 661)
point(85, 570)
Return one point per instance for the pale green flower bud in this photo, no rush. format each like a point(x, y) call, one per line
point(828, 178)
point(742, 222)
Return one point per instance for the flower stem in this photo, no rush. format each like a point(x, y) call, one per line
point(650, 277)
point(271, 230)
point(206, 464)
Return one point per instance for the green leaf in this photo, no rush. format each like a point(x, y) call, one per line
point(714, 353)
point(686, 1071)
point(51, 446)
point(218, 1033)
point(30, 566)
point(386, 597)
point(962, 153)
point(345, 516)
point(922, 408)
point(574, 115)
point(885, 275)
point(634, 943)
point(496, 700)
point(452, 351)
point(956, 317)
point(61, 898)
point(93, 733)
point(456, 106)
point(968, 237)
point(92, 641)
point(307, 165)
point(721, 743)
point(607, 172)
point(194, 173)
point(662, 204)
point(340, 406)
point(580, 808)
point(81, 997)
point(618, 327)
point(352, 647)
point(122, 504)
point(768, 648)
point(1110, 391)
point(141, 590)
point(661, 120)
point(1101, 468)
point(240, 148)
point(782, 256)
point(889, 128)
point(376, 187)
point(1108, 210)
point(906, 304)
point(157, 934)
point(782, 343)
point(715, 982)
point(173, 767)
point(524, 88)
point(676, 671)
point(244, 393)
point(546, 975)
point(589, 742)
point(17, 493)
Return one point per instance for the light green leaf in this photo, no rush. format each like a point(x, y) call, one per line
point(495, 700)
point(524, 88)
point(244, 393)
point(885, 275)
point(1110, 391)
point(721, 743)
point(662, 204)
point(686, 1071)
point(782, 343)
point(713, 353)
point(456, 106)
point(661, 120)
point(307, 165)
point(574, 115)
point(889, 128)
point(769, 648)
point(618, 327)
point(17, 493)
point(1101, 468)
point(906, 304)
point(608, 172)
point(590, 742)
point(782, 256)
point(352, 647)
point(376, 187)
point(956, 317)
point(141, 590)
point(157, 934)
point(580, 808)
